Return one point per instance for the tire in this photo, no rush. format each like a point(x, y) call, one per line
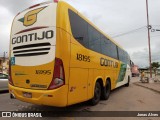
point(11, 96)
point(106, 91)
point(97, 94)
point(127, 85)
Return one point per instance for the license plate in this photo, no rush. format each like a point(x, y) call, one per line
point(27, 94)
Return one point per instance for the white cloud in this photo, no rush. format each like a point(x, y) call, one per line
point(116, 17)
point(5, 29)
point(113, 17)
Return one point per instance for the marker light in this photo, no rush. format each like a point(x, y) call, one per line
point(56, 1)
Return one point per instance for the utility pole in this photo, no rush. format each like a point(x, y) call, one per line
point(149, 45)
point(4, 59)
point(4, 56)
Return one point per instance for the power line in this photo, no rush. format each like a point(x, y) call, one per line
point(135, 30)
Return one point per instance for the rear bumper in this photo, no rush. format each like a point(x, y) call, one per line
point(40, 97)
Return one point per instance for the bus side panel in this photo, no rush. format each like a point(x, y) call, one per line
point(90, 83)
point(115, 73)
point(98, 74)
point(78, 76)
point(77, 85)
point(123, 74)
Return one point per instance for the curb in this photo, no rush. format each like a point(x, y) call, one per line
point(147, 88)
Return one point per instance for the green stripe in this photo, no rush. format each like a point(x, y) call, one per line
point(122, 72)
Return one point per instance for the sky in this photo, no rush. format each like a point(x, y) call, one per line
point(123, 20)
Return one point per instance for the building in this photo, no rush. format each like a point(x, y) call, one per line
point(4, 64)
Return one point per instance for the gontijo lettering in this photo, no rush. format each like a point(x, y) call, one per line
point(108, 63)
point(33, 36)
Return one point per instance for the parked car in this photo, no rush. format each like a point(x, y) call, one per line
point(3, 82)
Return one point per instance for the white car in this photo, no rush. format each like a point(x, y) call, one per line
point(3, 82)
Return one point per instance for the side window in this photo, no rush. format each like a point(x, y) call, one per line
point(127, 59)
point(108, 47)
point(94, 39)
point(78, 28)
point(113, 51)
point(123, 56)
point(120, 52)
point(105, 46)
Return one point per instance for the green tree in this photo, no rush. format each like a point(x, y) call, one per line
point(155, 65)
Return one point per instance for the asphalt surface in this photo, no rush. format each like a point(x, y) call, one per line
point(132, 98)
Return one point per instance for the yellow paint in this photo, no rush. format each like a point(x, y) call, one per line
point(22, 73)
point(80, 76)
point(39, 96)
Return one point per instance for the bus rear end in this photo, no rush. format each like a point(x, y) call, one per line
point(36, 74)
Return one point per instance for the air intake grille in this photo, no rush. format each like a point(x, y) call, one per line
point(31, 50)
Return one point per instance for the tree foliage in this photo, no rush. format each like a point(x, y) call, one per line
point(155, 65)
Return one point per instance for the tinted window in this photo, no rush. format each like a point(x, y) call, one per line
point(113, 50)
point(79, 28)
point(105, 46)
point(120, 54)
point(108, 47)
point(94, 39)
point(89, 37)
point(123, 56)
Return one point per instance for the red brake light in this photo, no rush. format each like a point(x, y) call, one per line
point(58, 75)
point(10, 74)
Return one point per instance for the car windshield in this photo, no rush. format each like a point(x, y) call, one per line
point(3, 76)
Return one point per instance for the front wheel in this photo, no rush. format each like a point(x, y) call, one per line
point(97, 94)
point(127, 85)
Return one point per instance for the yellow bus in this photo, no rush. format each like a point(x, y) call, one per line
point(59, 58)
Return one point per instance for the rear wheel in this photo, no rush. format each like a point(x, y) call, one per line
point(11, 96)
point(97, 94)
point(106, 90)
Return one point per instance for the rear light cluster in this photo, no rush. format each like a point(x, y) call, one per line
point(10, 74)
point(58, 75)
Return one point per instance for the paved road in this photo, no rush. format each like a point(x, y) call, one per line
point(132, 98)
point(3, 85)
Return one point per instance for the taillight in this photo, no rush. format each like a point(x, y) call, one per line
point(10, 74)
point(58, 75)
